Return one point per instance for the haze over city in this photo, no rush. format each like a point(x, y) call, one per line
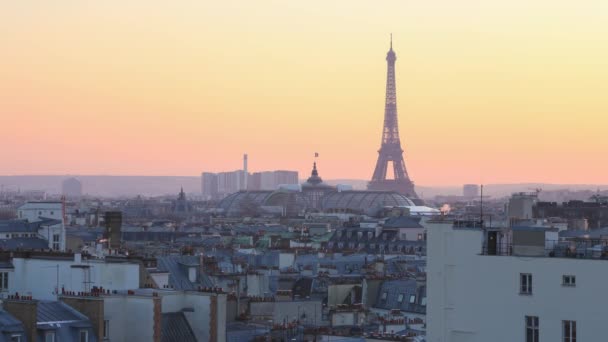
point(488, 92)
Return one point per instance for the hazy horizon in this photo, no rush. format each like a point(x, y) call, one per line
point(301, 177)
point(126, 186)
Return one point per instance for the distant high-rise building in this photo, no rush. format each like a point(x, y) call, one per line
point(286, 177)
point(230, 182)
point(521, 206)
point(209, 185)
point(255, 181)
point(271, 180)
point(71, 187)
point(391, 153)
point(246, 172)
point(219, 185)
point(470, 190)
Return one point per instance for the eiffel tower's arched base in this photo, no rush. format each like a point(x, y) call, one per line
point(404, 187)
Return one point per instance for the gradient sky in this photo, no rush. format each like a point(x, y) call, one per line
point(488, 90)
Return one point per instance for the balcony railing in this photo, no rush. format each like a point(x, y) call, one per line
point(577, 249)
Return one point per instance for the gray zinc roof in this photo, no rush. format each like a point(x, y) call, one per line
point(178, 276)
point(175, 328)
point(53, 311)
point(397, 294)
point(17, 226)
point(23, 243)
point(10, 324)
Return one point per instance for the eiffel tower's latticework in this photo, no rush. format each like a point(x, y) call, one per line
point(390, 150)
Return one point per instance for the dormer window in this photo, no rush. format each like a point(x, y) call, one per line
point(83, 336)
point(412, 299)
point(49, 336)
point(400, 298)
point(384, 295)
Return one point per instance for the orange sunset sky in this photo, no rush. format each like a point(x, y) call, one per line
point(488, 90)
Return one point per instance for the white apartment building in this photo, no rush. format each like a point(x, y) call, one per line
point(513, 285)
point(44, 275)
point(37, 211)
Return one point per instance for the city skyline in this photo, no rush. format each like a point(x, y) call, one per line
point(487, 93)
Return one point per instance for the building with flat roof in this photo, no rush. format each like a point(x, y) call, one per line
point(519, 284)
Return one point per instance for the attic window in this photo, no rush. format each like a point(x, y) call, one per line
point(384, 294)
point(423, 301)
point(412, 299)
point(400, 298)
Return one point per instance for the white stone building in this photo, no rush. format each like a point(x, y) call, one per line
point(44, 275)
point(43, 211)
point(513, 285)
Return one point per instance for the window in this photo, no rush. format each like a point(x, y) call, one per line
point(423, 302)
point(412, 299)
point(3, 281)
point(49, 336)
point(52, 213)
point(106, 328)
point(569, 280)
point(400, 298)
point(569, 331)
point(384, 294)
point(525, 283)
point(16, 338)
point(56, 242)
point(532, 329)
point(420, 237)
point(83, 336)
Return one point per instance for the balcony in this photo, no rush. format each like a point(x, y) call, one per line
point(574, 249)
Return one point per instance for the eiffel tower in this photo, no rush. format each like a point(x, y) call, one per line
point(390, 150)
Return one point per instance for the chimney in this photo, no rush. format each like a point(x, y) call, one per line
point(93, 308)
point(27, 312)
